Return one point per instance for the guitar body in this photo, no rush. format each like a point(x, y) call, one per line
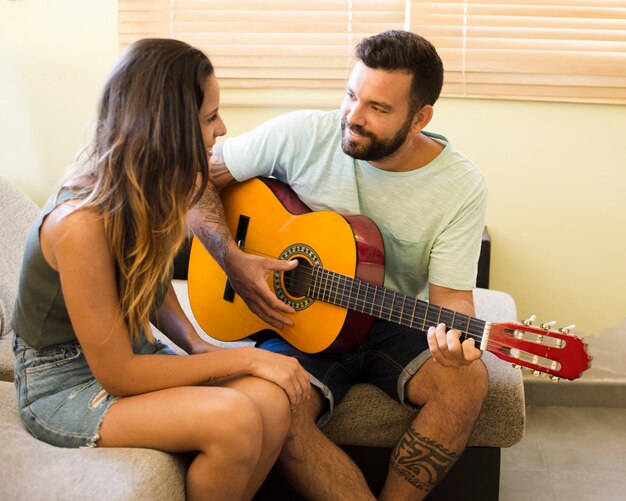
point(269, 220)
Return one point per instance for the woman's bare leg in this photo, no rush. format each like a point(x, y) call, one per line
point(223, 424)
point(273, 406)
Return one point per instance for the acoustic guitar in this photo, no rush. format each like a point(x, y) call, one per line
point(336, 289)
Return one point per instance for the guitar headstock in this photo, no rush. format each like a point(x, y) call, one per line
point(559, 354)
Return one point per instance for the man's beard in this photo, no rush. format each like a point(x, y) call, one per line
point(378, 148)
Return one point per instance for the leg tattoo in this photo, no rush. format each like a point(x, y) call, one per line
point(421, 461)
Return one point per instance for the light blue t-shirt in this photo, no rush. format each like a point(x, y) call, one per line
point(431, 218)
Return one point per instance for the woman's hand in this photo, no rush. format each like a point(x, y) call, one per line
point(201, 346)
point(284, 371)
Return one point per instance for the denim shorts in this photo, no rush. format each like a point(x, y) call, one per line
point(59, 400)
point(388, 357)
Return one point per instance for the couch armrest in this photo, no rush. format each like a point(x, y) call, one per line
point(494, 306)
point(17, 214)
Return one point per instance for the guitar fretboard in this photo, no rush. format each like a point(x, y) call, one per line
point(379, 302)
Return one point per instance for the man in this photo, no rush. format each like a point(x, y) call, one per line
point(372, 157)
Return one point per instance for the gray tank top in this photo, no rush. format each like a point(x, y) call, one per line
point(40, 316)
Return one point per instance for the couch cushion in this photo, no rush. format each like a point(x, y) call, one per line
point(368, 416)
point(6, 358)
point(17, 214)
point(30, 468)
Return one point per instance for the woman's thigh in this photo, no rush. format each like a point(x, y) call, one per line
point(180, 419)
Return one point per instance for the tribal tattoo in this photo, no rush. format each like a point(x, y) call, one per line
point(420, 461)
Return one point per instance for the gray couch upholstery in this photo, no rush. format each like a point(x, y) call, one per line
point(35, 470)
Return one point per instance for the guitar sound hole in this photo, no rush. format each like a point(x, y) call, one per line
point(298, 281)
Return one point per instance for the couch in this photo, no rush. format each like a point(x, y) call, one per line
point(366, 424)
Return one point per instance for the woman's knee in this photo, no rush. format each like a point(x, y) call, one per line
point(273, 401)
point(232, 426)
point(270, 399)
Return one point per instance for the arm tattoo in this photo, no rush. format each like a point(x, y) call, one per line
point(217, 166)
point(213, 379)
point(211, 229)
point(420, 461)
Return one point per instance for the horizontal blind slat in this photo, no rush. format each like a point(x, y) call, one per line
point(507, 50)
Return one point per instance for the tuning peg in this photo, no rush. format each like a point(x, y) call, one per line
point(537, 373)
point(530, 320)
point(555, 378)
point(568, 329)
point(517, 366)
point(547, 325)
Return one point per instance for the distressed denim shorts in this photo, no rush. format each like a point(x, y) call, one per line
point(59, 400)
point(388, 357)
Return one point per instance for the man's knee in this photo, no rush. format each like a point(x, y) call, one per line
point(465, 386)
point(307, 415)
point(303, 425)
point(480, 378)
point(475, 386)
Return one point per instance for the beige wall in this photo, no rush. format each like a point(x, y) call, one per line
point(556, 172)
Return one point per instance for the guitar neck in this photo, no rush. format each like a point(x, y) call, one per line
point(379, 302)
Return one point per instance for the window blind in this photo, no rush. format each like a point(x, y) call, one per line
point(556, 50)
point(261, 44)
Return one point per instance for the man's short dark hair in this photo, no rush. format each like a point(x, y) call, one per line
point(397, 50)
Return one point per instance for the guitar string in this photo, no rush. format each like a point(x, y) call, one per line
point(385, 310)
point(492, 343)
point(381, 309)
point(426, 322)
point(337, 288)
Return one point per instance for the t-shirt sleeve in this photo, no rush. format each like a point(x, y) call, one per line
point(268, 149)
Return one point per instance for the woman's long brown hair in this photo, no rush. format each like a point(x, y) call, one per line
point(143, 164)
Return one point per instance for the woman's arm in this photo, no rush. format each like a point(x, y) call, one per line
point(172, 321)
point(75, 245)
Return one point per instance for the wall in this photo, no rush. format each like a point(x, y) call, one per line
point(556, 172)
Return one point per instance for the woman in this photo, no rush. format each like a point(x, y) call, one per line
point(97, 271)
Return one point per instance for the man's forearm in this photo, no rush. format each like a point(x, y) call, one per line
point(207, 218)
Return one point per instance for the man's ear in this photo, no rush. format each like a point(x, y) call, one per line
point(423, 116)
